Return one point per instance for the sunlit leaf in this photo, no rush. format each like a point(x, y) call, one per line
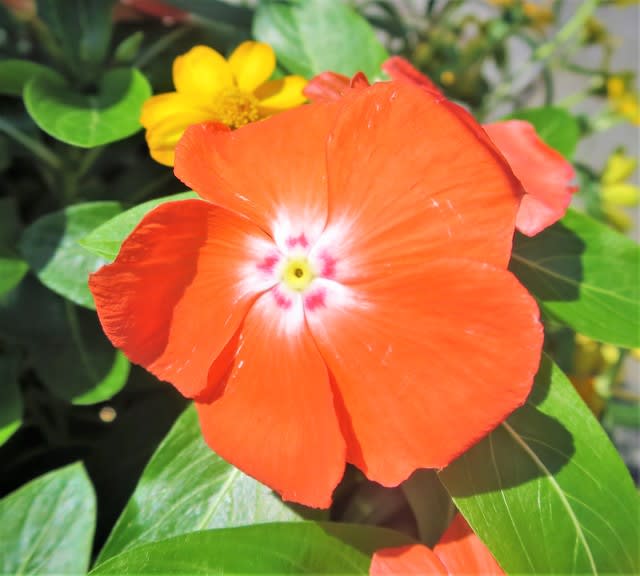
point(186, 488)
point(93, 119)
point(547, 491)
point(106, 239)
point(50, 246)
point(586, 275)
point(46, 527)
point(314, 36)
point(281, 548)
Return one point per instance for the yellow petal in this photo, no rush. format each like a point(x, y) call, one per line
point(163, 136)
point(201, 72)
point(621, 194)
point(252, 64)
point(619, 167)
point(281, 94)
point(162, 106)
point(617, 217)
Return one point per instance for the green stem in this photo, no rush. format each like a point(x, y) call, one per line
point(573, 25)
point(87, 161)
point(159, 46)
point(35, 147)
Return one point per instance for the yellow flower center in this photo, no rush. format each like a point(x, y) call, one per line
point(235, 108)
point(298, 274)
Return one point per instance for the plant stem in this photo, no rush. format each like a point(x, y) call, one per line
point(159, 46)
point(35, 147)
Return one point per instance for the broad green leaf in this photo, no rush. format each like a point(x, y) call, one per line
point(556, 126)
point(430, 503)
point(281, 548)
point(585, 275)
point(88, 120)
point(316, 35)
point(186, 488)
point(105, 240)
point(50, 246)
point(12, 270)
point(10, 399)
point(65, 343)
point(15, 73)
point(82, 30)
point(547, 491)
point(46, 527)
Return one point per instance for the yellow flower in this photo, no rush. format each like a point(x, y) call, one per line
point(615, 191)
point(539, 15)
point(211, 89)
point(622, 99)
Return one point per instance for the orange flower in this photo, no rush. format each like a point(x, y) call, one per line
point(545, 175)
point(459, 552)
point(339, 294)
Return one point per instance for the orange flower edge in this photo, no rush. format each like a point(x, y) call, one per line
point(459, 552)
point(546, 177)
point(324, 305)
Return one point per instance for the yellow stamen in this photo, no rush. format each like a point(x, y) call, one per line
point(235, 108)
point(298, 274)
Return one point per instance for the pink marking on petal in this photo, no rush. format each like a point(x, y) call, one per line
point(300, 240)
point(316, 299)
point(282, 300)
point(268, 263)
point(328, 265)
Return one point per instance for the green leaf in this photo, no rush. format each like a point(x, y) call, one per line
point(82, 32)
point(65, 344)
point(430, 503)
point(556, 126)
point(105, 240)
point(281, 548)
point(15, 73)
point(187, 488)
point(585, 275)
point(314, 36)
point(46, 527)
point(12, 270)
point(547, 491)
point(50, 246)
point(10, 399)
point(88, 120)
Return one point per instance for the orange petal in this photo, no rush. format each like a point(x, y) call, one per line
point(275, 419)
point(545, 175)
point(179, 289)
point(399, 68)
point(462, 552)
point(284, 191)
point(405, 560)
point(326, 86)
point(419, 360)
point(418, 185)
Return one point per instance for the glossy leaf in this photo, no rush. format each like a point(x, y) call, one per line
point(281, 548)
point(15, 73)
point(106, 239)
point(50, 246)
point(65, 344)
point(556, 126)
point(88, 120)
point(314, 36)
point(46, 527)
point(547, 491)
point(10, 399)
point(186, 488)
point(585, 275)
